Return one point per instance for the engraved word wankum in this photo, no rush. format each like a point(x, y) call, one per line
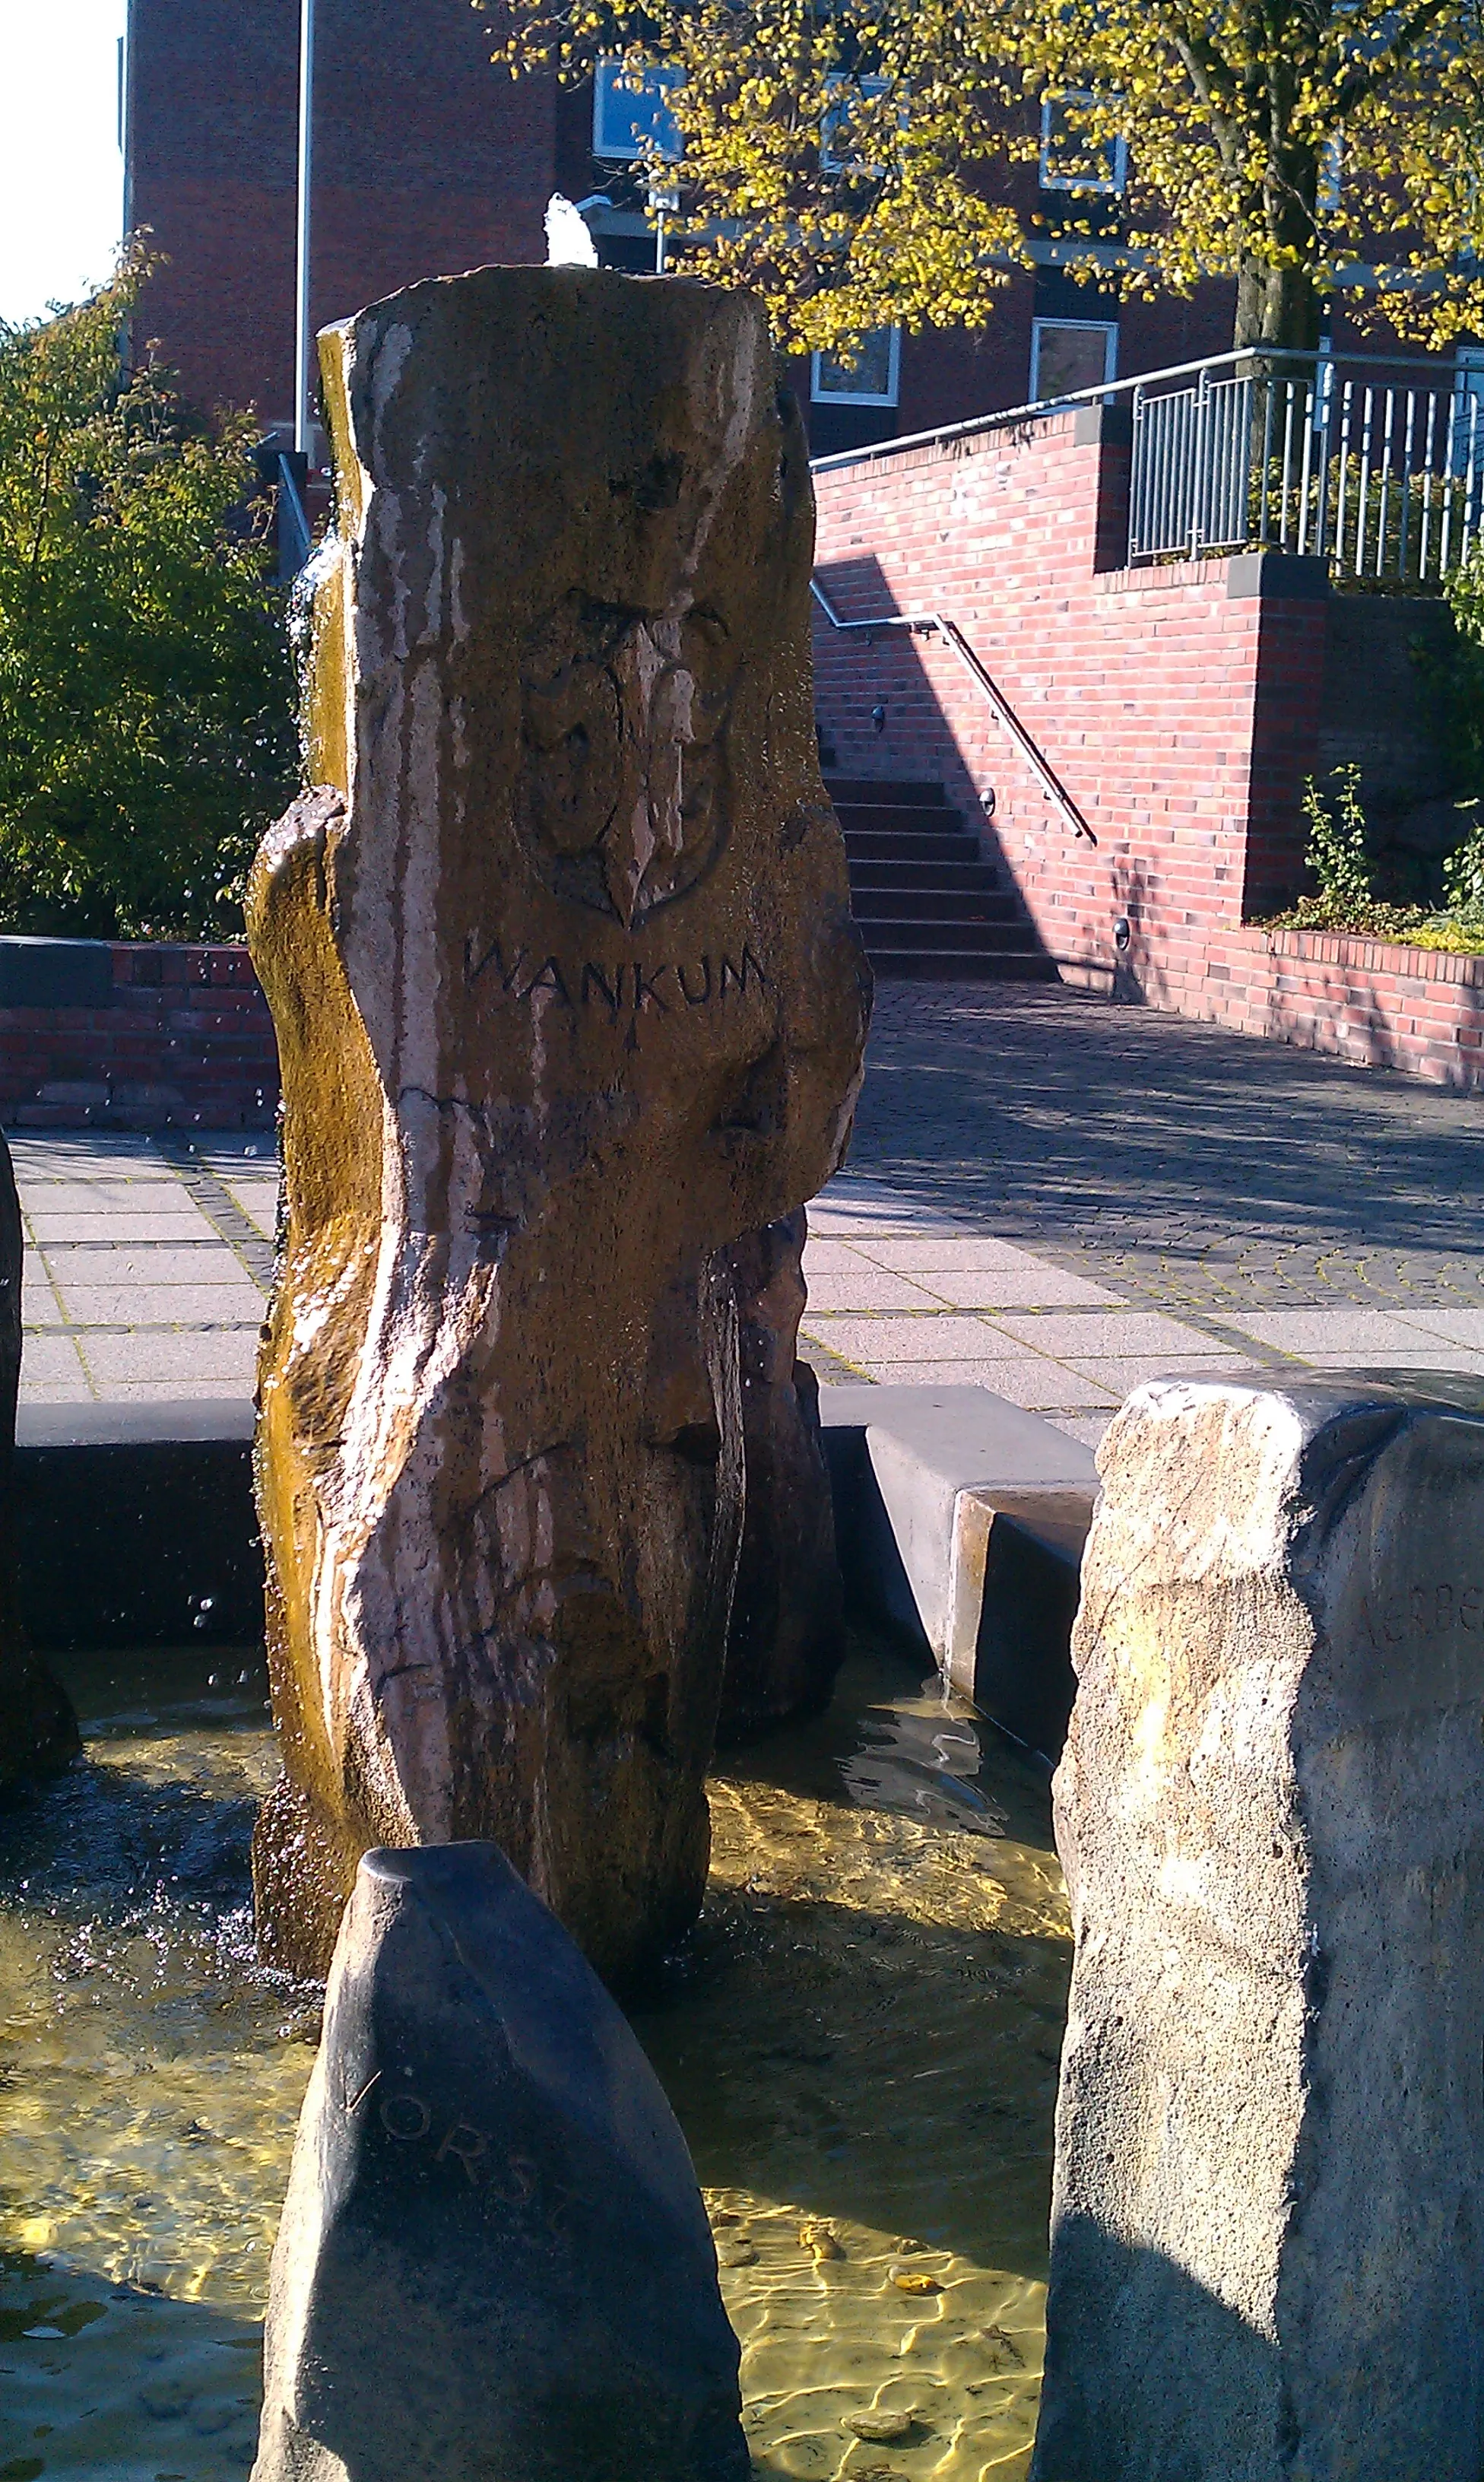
point(568, 999)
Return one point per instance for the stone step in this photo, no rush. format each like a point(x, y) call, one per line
point(961, 965)
point(896, 818)
point(904, 905)
point(890, 845)
point(945, 877)
point(861, 788)
point(965, 930)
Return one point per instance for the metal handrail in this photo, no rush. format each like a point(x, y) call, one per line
point(295, 539)
point(950, 631)
point(1041, 407)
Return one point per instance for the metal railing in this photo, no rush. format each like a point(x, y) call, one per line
point(953, 636)
point(1373, 465)
point(1380, 474)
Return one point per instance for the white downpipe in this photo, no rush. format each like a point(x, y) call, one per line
point(303, 415)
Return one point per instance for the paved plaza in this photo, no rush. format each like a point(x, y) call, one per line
point(1049, 1196)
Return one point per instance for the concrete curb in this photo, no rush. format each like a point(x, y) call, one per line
point(960, 1520)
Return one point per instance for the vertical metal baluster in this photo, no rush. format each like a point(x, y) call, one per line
point(1342, 477)
point(1446, 514)
point(1326, 409)
point(1470, 493)
point(1197, 497)
point(1267, 480)
point(1288, 464)
point(1385, 509)
point(1363, 484)
point(1305, 466)
point(1405, 528)
point(1424, 539)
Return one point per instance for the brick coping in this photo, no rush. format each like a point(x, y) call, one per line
point(1366, 954)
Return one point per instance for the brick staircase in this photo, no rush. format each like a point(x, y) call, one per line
point(928, 903)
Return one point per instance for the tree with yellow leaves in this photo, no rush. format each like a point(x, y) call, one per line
point(849, 158)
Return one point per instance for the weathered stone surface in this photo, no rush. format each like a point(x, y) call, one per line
point(493, 2265)
point(1267, 2239)
point(568, 1000)
point(786, 1642)
point(37, 1728)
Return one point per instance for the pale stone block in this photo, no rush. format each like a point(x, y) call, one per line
point(1267, 2238)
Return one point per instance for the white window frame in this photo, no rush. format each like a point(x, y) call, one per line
point(1107, 329)
point(870, 89)
point(1468, 390)
point(1118, 179)
point(606, 80)
point(819, 395)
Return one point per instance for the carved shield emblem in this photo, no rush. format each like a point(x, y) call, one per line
point(621, 799)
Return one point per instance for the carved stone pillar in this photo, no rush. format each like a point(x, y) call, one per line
point(568, 999)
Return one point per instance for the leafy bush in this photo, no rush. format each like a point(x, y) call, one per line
point(1463, 872)
point(1336, 851)
point(1339, 858)
point(146, 733)
point(1463, 687)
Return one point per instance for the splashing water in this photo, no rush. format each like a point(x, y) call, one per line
point(859, 2041)
point(569, 241)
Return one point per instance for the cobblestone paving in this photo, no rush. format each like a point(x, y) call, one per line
point(1270, 1205)
point(1049, 1196)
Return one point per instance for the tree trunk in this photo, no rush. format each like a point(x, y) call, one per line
point(1276, 306)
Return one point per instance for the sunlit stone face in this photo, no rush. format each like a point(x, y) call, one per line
point(568, 999)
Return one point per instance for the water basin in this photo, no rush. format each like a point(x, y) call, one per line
point(860, 2040)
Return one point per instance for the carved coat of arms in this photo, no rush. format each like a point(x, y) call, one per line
point(620, 802)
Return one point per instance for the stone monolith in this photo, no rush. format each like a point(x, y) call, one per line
point(493, 2264)
point(1267, 2234)
point(786, 1642)
point(568, 1000)
point(37, 1728)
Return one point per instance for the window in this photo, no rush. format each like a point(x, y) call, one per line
point(873, 377)
point(1468, 409)
point(835, 155)
point(1331, 167)
point(630, 116)
point(1069, 354)
point(1071, 158)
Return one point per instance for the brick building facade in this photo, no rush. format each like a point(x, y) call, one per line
point(428, 161)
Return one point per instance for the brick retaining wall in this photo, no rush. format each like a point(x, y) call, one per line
point(1180, 705)
point(1371, 1001)
point(111, 1034)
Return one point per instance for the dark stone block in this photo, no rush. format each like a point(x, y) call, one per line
point(1023, 1677)
point(1280, 576)
point(56, 973)
point(136, 1525)
point(494, 2264)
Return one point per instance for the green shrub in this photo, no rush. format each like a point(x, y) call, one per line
point(146, 733)
point(1336, 852)
point(1463, 872)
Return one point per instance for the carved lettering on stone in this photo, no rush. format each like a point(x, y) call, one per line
point(568, 1000)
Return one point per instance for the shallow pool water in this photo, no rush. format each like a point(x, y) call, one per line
point(860, 2040)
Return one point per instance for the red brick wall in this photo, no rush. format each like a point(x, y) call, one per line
point(186, 1043)
point(429, 161)
point(1179, 708)
point(1364, 1000)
